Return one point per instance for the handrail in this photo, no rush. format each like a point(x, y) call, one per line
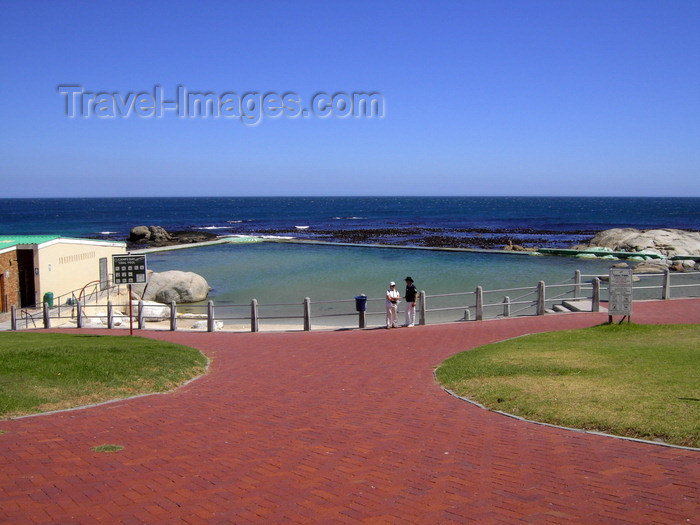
point(535, 298)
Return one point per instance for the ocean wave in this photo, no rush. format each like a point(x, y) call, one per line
point(349, 218)
point(212, 228)
point(301, 227)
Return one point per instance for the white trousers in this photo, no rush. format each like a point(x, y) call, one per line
point(392, 315)
point(410, 314)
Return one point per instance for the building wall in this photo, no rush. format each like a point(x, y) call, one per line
point(67, 265)
point(9, 278)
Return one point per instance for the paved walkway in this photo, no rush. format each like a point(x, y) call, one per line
point(323, 427)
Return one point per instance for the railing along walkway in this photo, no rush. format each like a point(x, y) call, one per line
point(347, 313)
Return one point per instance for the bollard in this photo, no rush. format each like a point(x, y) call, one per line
point(210, 316)
point(506, 306)
point(595, 302)
point(422, 308)
point(666, 290)
point(140, 313)
point(79, 313)
point(47, 316)
point(173, 316)
point(540, 298)
point(479, 303)
point(110, 315)
point(254, 316)
point(577, 284)
point(13, 318)
point(307, 314)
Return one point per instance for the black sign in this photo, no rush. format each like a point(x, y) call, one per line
point(129, 269)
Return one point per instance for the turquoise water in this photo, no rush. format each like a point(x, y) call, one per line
point(281, 273)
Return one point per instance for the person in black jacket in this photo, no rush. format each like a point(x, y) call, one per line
point(411, 298)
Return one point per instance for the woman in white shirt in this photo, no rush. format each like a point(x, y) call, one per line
point(392, 305)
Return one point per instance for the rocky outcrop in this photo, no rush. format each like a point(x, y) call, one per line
point(174, 285)
point(149, 234)
point(159, 236)
point(667, 241)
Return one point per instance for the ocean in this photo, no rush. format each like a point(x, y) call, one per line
point(286, 273)
point(112, 218)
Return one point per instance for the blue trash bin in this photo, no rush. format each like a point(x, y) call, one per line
point(361, 303)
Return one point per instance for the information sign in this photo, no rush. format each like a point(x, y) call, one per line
point(620, 291)
point(129, 269)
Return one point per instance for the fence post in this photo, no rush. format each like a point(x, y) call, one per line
point(109, 314)
point(13, 318)
point(666, 290)
point(422, 308)
point(595, 301)
point(307, 314)
point(173, 316)
point(506, 306)
point(577, 284)
point(79, 313)
point(210, 316)
point(140, 315)
point(46, 314)
point(254, 316)
point(540, 298)
point(479, 303)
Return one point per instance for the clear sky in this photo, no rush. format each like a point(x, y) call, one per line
point(486, 97)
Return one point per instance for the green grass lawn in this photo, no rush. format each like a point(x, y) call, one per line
point(43, 372)
point(639, 381)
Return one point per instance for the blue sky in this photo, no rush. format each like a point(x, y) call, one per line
point(486, 97)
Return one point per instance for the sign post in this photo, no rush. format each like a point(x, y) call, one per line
point(129, 269)
point(620, 289)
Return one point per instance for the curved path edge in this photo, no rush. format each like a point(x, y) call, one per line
point(324, 427)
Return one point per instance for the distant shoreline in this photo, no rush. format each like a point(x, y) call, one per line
point(254, 239)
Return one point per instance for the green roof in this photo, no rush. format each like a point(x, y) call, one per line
point(8, 241)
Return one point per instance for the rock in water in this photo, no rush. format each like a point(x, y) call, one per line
point(666, 241)
point(139, 234)
point(174, 285)
point(158, 234)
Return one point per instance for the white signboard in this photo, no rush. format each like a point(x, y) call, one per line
point(620, 291)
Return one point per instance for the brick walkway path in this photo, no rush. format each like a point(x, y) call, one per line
point(322, 427)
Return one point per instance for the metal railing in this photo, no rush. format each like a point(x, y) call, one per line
point(475, 305)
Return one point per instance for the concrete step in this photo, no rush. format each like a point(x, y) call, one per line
point(581, 306)
point(560, 308)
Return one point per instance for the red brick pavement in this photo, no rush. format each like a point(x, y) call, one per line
point(324, 427)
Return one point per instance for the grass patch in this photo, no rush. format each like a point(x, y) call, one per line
point(630, 380)
point(108, 448)
point(44, 372)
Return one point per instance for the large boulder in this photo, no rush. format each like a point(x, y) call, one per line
point(149, 234)
point(159, 234)
point(139, 234)
point(665, 241)
point(174, 285)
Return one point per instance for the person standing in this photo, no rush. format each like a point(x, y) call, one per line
point(411, 298)
point(392, 305)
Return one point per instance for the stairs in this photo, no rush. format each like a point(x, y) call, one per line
point(574, 306)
